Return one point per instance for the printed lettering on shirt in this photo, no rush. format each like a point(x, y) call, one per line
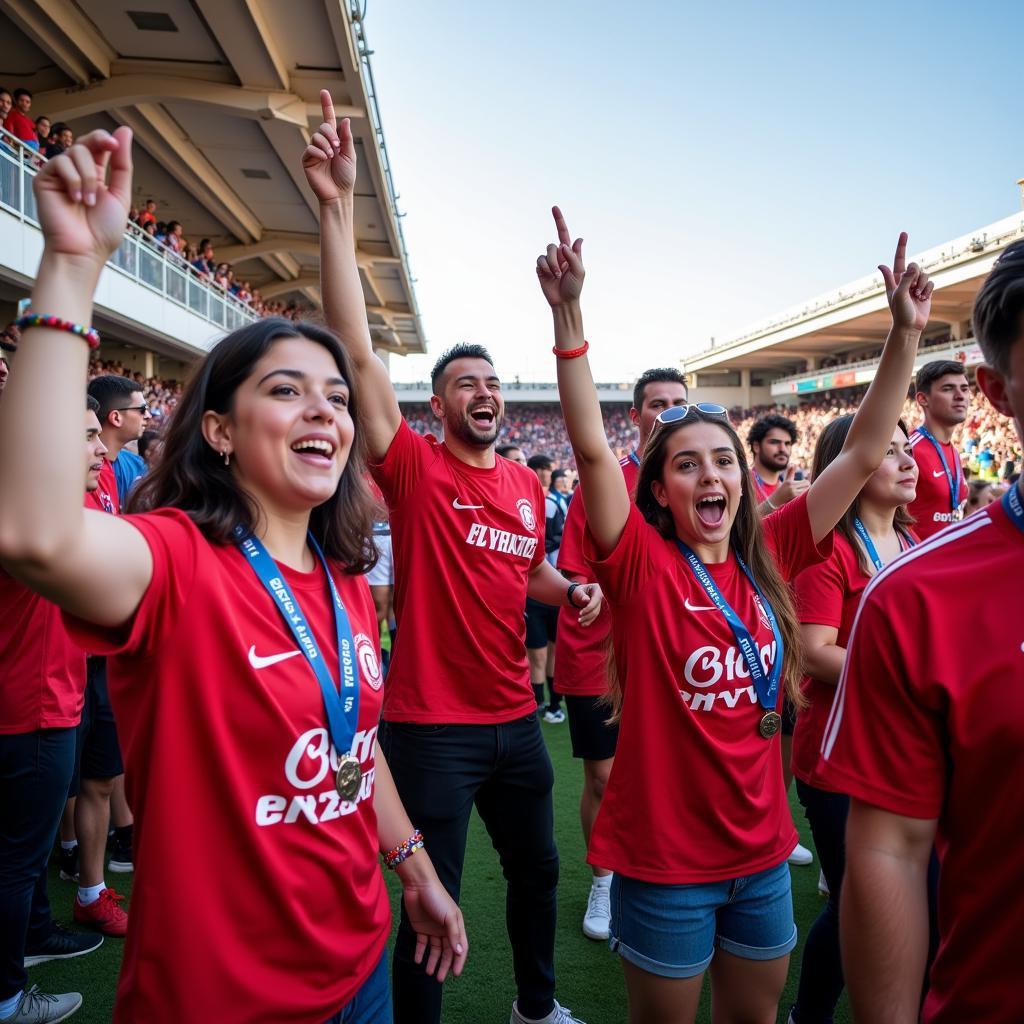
point(526, 513)
point(709, 665)
point(515, 544)
point(311, 762)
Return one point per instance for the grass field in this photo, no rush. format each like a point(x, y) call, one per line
point(589, 977)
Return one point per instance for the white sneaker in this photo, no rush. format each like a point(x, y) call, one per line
point(597, 919)
point(801, 856)
point(559, 1015)
point(822, 884)
point(555, 717)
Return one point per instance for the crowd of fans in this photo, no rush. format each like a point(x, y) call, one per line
point(51, 139)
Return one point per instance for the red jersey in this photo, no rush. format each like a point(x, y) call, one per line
point(465, 541)
point(581, 652)
point(42, 682)
point(928, 722)
point(827, 594)
point(765, 488)
point(690, 761)
point(20, 126)
point(932, 507)
point(228, 756)
point(105, 497)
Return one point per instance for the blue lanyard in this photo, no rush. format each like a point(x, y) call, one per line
point(761, 483)
point(633, 458)
point(766, 686)
point(869, 544)
point(953, 479)
point(342, 708)
point(1013, 507)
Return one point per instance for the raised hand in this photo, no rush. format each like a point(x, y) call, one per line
point(330, 158)
point(789, 489)
point(437, 921)
point(560, 270)
point(82, 213)
point(908, 290)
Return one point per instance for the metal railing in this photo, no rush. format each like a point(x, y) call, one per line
point(139, 256)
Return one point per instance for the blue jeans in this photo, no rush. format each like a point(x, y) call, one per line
point(372, 1003)
point(35, 769)
point(672, 930)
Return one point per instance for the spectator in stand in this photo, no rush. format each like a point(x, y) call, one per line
point(771, 441)
point(17, 121)
point(150, 446)
point(6, 105)
point(148, 215)
point(60, 138)
point(204, 262)
point(173, 238)
point(5, 371)
point(43, 131)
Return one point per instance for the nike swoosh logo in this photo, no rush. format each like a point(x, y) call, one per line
point(697, 607)
point(271, 659)
point(458, 504)
point(938, 472)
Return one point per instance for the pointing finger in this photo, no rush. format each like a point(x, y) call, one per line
point(900, 259)
point(327, 105)
point(563, 231)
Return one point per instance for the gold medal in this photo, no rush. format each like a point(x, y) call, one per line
point(348, 777)
point(770, 724)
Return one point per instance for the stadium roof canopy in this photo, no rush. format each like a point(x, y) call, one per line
point(223, 96)
point(856, 315)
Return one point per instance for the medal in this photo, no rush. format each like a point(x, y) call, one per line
point(770, 724)
point(348, 777)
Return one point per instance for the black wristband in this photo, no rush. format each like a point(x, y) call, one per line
point(569, 593)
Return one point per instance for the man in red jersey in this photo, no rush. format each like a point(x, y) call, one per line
point(944, 395)
point(771, 441)
point(581, 654)
point(928, 740)
point(460, 718)
point(40, 706)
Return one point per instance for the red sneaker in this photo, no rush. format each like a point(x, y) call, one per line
point(103, 914)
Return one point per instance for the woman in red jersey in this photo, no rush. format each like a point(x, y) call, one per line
point(695, 822)
point(242, 643)
point(873, 531)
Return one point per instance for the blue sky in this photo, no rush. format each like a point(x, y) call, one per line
point(721, 162)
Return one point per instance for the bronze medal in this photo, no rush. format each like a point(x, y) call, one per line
point(348, 777)
point(770, 724)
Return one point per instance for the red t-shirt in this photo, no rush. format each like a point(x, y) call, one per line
point(20, 126)
point(929, 723)
point(105, 497)
point(465, 541)
point(765, 488)
point(690, 763)
point(258, 893)
point(581, 652)
point(42, 682)
point(931, 506)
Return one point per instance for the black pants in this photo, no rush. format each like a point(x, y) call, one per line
point(821, 971)
point(441, 771)
point(35, 769)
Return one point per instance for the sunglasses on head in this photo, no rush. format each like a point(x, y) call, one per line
point(680, 412)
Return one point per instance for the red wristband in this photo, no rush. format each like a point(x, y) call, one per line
point(571, 353)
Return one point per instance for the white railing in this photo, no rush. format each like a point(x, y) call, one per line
point(140, 256)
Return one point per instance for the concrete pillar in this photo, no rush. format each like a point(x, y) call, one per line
point(959, 329)
point(811, 364)
point(149, 368)
point(745, 388)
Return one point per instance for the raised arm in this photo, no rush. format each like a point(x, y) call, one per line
point(93, 564)
point(910, 298)
point(883, 916)
point(560, 272)
point(330, 165)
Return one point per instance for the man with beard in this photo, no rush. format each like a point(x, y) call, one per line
point(771, 440)
point(944, 394)
point(460, 719)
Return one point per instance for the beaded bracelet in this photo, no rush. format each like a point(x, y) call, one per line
point(403, 851)
point(90, 334)
point(572, 353)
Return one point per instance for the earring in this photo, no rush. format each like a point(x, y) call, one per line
point(227, 456)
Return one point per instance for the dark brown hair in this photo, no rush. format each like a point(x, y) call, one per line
point(931, 373)
point(192, 477)
point(830, 444)
point(746, 537)
point(999, 308)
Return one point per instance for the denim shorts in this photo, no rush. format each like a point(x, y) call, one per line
point(672, 930)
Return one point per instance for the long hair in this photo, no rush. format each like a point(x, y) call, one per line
point(746, 537)
point(830, 444)
point(192, 477)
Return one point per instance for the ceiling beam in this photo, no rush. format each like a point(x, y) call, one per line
point(60, 30)
point(135, 90)
point(301, 243)
point(162, 137)
point(296, 284)
point(242, 32)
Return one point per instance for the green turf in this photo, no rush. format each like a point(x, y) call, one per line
point(589, 976)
